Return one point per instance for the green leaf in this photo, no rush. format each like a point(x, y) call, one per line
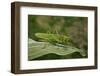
point(38, 49)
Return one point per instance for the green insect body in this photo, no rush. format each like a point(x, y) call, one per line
point(53, 38)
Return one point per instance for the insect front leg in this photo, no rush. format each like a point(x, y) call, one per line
point(45, 45)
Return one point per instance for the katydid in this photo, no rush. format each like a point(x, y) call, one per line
point(53, 38)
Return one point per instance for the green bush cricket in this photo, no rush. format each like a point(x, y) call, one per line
point(53, 38)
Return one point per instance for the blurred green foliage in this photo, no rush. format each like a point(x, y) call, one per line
point(74, 27)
